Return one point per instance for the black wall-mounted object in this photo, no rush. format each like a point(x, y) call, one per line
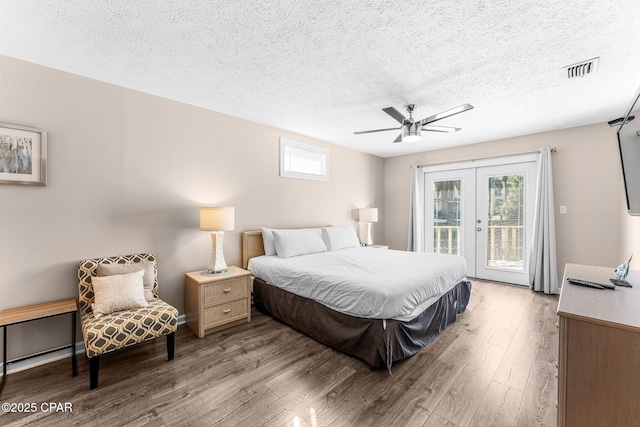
point(620, 120)
point(629, 145)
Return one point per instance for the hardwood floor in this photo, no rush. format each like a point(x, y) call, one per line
point(495, 366)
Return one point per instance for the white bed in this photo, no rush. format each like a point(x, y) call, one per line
point(376, 304)
point(365, 282)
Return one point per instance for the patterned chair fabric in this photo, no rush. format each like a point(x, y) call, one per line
point(123, 328)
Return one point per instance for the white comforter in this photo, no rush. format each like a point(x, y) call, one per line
point(366, 282)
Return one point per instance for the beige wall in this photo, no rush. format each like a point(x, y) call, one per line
point(127, 172)
point(587, 177)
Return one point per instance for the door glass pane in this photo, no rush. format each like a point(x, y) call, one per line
point(446, 217)
point(505, 221)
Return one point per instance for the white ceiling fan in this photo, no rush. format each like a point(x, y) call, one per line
point(410, 130)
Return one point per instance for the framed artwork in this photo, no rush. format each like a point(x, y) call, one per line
point(23, 155)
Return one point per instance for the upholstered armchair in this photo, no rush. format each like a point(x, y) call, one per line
point(105, 331)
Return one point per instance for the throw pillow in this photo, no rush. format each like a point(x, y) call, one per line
point(118, 292)
point(148, 280)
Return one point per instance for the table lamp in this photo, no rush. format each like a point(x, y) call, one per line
point(217, 220)
point(367, 216)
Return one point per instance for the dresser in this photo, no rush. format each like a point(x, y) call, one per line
point(599, 354)
point(215, 302)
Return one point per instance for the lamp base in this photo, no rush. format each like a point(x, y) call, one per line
point(364, 233)
point(217, 264)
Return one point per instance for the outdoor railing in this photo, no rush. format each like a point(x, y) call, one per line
point(448, 231)
point(504, 241)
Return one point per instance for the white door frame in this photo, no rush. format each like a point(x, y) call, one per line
point(467, 179)
point(518, 277)
point(456, 171)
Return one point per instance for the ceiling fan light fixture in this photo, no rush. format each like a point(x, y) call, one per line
point(411, 132)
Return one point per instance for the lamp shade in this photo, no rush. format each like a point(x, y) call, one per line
point(368, 215)
point(217, 219)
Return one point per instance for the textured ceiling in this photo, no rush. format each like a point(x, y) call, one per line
point(326, 69)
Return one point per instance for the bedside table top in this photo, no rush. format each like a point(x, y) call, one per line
point(203, 276)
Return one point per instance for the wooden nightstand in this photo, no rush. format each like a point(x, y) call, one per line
point(378, 246)
point(215, 302)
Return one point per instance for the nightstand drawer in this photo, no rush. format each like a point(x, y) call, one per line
point(225, 290)
point(226, 312)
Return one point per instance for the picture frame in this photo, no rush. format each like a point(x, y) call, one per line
point(23, 155)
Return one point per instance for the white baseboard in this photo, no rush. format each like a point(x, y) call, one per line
point(53, 356)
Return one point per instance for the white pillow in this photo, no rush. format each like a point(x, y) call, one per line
point(118, 292)
point(337, 238)
point(148, 280)
point(269, 243)
point(291, 243)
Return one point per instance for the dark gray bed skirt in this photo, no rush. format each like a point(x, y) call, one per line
point(366, 339)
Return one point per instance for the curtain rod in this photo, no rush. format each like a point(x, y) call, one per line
point(553, 150)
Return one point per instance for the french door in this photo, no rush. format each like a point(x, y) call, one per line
point(485, 214)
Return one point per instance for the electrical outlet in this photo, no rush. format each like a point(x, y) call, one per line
point(563, 210)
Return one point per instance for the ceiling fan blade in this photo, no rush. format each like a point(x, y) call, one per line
point(395, 114)
point(433, 128)
point(398, 139)
point(376, 130)
point(448, 113)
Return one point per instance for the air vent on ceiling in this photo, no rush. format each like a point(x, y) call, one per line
point(581, 69)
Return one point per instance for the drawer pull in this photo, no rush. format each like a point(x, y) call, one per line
point(226, 291)
point(227, 311)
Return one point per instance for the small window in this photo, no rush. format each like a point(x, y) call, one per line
point(303, 161)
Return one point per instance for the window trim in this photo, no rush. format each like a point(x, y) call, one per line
point(313, 149)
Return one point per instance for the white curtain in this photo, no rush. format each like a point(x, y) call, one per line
point(543, 268)
point(416, 211)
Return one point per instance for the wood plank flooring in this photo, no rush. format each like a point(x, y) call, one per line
point(495, 366)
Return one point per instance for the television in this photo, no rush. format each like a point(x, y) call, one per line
point(629, 144)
